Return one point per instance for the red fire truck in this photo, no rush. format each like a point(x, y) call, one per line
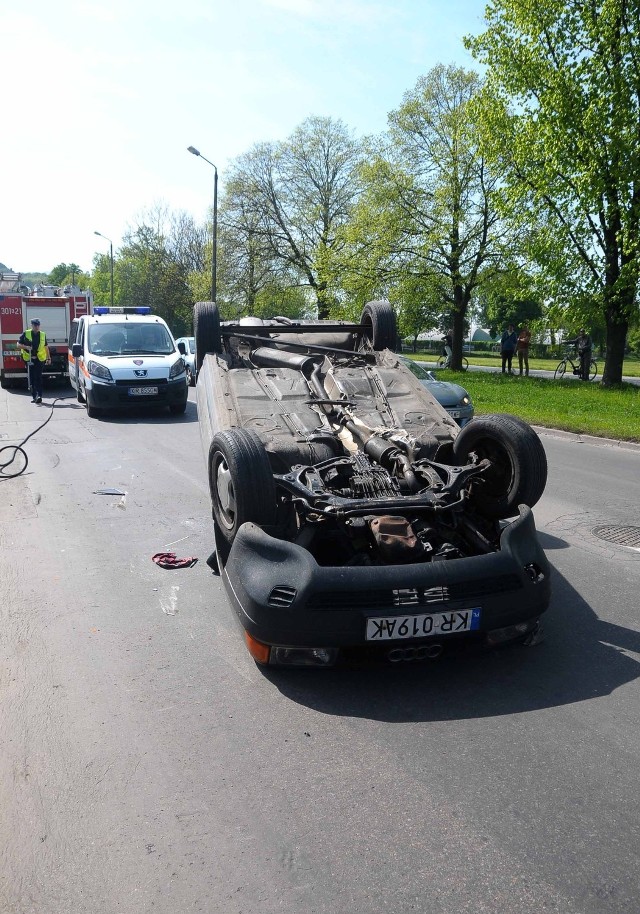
point(56, 307)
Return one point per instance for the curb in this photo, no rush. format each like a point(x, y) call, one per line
point(586, 439)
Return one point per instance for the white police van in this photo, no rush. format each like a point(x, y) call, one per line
point(124, 357)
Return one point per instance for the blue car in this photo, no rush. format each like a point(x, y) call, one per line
point(453, 397)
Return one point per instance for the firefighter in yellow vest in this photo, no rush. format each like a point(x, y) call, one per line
point(35, 351)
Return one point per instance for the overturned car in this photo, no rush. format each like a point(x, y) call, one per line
point(352, 515)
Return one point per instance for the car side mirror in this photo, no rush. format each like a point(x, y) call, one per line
point(182, 349)
point(76, 350)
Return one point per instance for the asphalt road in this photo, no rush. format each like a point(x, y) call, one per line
point(147, 764)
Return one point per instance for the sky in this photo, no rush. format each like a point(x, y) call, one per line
point(102, 99)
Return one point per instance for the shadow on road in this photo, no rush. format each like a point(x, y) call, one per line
point(582, 658)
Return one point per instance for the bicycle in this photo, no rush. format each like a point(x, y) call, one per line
point(445, 362)
point(575, 369)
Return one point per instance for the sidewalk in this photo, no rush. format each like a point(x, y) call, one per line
point(534, 372)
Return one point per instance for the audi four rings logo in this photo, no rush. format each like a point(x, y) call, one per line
point(140, 372)
point(423, 652)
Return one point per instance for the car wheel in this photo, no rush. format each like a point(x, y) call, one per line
point(379, 322)
point(518, 471)
point(177, 409)
point(191, 378)
point(240, 481)
point(206, 330)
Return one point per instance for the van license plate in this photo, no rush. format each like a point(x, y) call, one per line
point(387, 628)
point(143, 391)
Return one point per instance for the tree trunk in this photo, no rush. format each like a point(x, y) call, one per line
point(458, 315)
point(616, 338)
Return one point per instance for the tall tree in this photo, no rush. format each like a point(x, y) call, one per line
point(429, 209)
point(561, 116)
point(251, 276)
point(154, 265)
point(299, 193)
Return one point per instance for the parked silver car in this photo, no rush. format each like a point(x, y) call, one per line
point(189, 357)
point(453, 397)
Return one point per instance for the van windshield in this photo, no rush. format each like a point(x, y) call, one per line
point(129, 338)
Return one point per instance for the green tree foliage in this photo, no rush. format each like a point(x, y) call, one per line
point(100, 283)
point(427, 219)
point(68, 274)
point(509, 298)
point(561, 116)
point(252, 277)
point(287, 204)
point(159, 256)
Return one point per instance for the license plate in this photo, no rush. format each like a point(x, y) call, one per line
point(454, 413)
point(143, 391)
point(391, 628)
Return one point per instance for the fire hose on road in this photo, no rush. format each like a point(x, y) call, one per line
point(13, 457)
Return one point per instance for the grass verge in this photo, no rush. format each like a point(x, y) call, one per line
point(574, 406)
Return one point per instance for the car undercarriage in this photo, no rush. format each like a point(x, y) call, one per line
point(322, 446)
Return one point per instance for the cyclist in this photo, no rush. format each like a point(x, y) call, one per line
point(583, 347)
point(447, 339)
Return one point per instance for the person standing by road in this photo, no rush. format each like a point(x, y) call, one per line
point(524, 338)
point(35, 352)
point(508, 342)
point(584, 347)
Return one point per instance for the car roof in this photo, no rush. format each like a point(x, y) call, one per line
point(124, 318)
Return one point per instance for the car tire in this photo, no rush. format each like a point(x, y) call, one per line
point(177, 409)
point(379, 324)
point(191, 377)
point(519, 463)
point(240, 481)
point(206, 330)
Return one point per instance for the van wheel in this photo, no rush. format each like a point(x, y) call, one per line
point(206, 330)
point(378, 320)
point(518, 472)
point(240, 481)
point(178, 408)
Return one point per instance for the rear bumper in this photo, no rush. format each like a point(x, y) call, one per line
point(283, 597)
point(117, 396)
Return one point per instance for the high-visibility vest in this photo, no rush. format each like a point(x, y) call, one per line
point(41, 353)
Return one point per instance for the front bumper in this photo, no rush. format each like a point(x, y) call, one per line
point(283, 597)
point(116, 395)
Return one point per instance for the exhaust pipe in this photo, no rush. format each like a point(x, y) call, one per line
point(266, 357)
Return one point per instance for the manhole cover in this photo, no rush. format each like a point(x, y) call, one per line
point(621, 536)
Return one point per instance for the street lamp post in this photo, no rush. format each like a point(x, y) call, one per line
point(214, 253)
point(111, 257)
